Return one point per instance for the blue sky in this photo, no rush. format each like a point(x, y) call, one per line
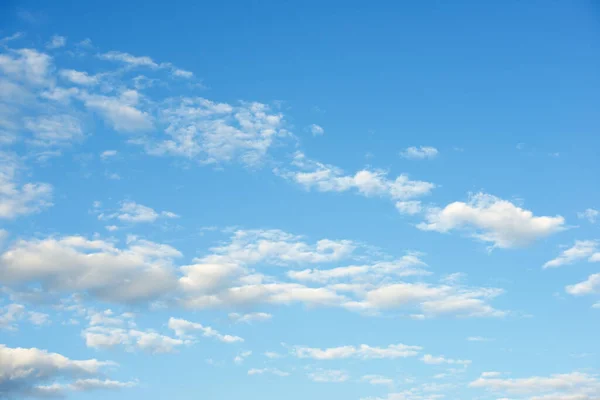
point(268, 200)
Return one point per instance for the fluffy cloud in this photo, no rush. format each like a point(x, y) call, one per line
point(589, 286)
point(432, 300)
point(20, 199)
point(571, 386)
point(419, 153)
point(328, 375)
point(26, 66)
point(408, 265)
point(583, 249)
point(262, 371)
point(25, 372)
point(316, 130)
point(141, 271)
point(377, 380)
point(132, 212)
point(56, 42)
point(217, 132)
point(328, 178)
point(56, 130)
point(107, 337)
point(250, 317)
point(121, 112)
point(492, 220)
point(184, 328)
point(590, 214)
point(78, 77)
point(429, 359)
point(362, 351)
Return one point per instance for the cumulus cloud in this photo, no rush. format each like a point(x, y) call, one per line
point(56, 130)
point(316, 130)
point(419, 153)
point(590, 286)
point(250, 317)
point(436, 360)
point(132, 212)
point(184, 329)
point(31, 372)
point(492, 220)
point(362, 351)
point(574, 385)
point(328, 178)
point(120, 112)
point(78, 77)
point(583, 249)
point(141, 271)
point(108, 154)
point(26, 66)
point(20, 199)
point(590, 214)
point(377, 380)
point(328, 376)
point(217, 133)
point(262, 371)
point(107, 337)
point(56, 42)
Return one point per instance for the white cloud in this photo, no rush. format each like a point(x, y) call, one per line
point(493, 220)
point(569, 386)
point(328, 178)
point(316, 130)
point(107, 337)
point(56, 130)
point(56, 42)
point(120, 112)
point(432, 300)
point(408, 265)
point(261, 371)
point(78, 77)
point(377, 380)
point(409, 207)
point(583, 249)
point(362, 351)
point(108, 154)
point(590, 286)
point(184, 328)
point(436, 360)
point(25, 372)
point(328, 375)
point(419, 153)
point(250, 317)
point(217, 133)
point(240, 358)
point(144, 61)
point(133, 212)
point(590, 214)
point(27, 66)
point(15, 199)
point(478, 339)
point(141, 271)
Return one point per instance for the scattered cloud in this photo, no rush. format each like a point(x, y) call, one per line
point(250, 317)
point(262, 371)
point(56, 42)
point(31, 372)
point(583, 249)
point(590, 214)
point(574, 385)
point(132, 212)
point(316, 130)
point(419, 153)
point(362, 351)
point(436, 360)
point(492, 220)
point(184, 329)
point(328, 376)
point(140, 271)
point(106, 154)
point(377, 380)
point(590, 286)
point(369, 183)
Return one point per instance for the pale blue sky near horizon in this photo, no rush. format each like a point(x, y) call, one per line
point(255, 190)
